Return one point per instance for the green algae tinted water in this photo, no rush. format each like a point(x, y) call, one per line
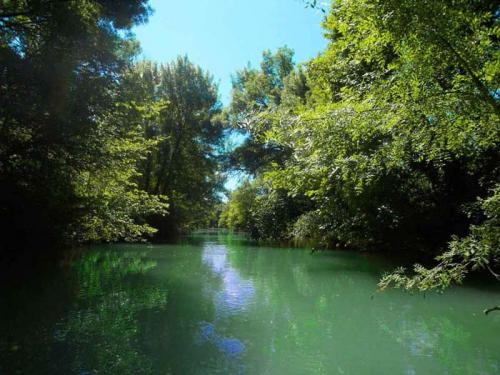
point(220, 306)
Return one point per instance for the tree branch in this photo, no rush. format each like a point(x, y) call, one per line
point(475, 79)
point(495, 308)
point(28, 12)
point(495, 275)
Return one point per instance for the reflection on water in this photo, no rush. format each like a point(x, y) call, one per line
point(235, 293)
point(98, 332)
point(231, 298)
point(222, 306)
point(230, 347)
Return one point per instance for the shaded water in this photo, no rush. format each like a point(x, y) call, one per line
point(221, 306)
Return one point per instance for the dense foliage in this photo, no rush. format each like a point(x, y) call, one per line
point(188, 134)
point(389, 139)
point(91, 142)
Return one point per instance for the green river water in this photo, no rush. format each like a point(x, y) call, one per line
point(218, 305)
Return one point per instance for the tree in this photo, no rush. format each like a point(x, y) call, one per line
point(255, 93)
point(65, 164)
point(392, 132)
point(188, 135)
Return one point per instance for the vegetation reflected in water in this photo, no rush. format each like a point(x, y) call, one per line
point(98, 333)
point(236, 308)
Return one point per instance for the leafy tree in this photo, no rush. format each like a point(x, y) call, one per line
point(255, 92)
point(261, 211)
point(188, 136)
point(115, 206)
point(392, 132)
point(237, 213)
point(66, 152)
point(479, 250)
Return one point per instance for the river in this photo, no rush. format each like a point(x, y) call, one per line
point(220, 305)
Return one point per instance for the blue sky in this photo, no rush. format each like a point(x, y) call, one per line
point(223, 36)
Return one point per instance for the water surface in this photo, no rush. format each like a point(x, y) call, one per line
point(221, 306)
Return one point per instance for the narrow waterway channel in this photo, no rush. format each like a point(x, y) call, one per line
point(218, 305)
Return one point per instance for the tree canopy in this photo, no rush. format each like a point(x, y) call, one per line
point(387, 140)
point(392, 136)
point(91, 141)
